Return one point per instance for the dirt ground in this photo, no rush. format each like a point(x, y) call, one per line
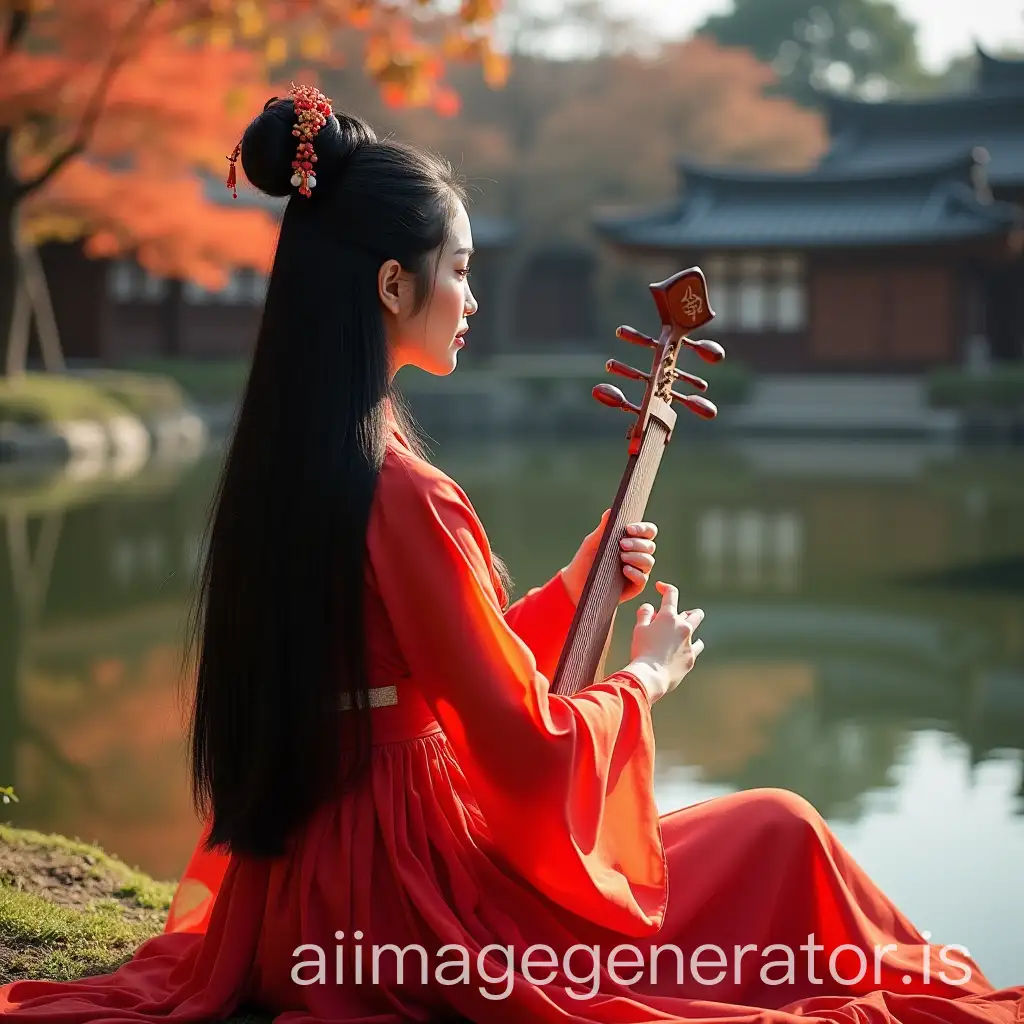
point(67, 878)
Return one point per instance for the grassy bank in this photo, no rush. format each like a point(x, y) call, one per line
point(69, 910)
point(41, 399)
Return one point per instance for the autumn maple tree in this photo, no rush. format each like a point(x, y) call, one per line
point(114, 113)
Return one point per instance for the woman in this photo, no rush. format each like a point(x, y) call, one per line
point(404, 824)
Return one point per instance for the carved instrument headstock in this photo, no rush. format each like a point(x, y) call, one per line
point(682, 303)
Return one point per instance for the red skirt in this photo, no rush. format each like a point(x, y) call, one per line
point(768, 919)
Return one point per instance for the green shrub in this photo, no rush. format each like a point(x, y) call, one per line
point(1001, 388)
point(41, 398)
point(143, 394)
point(729, 382)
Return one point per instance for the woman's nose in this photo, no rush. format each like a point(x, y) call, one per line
point(471, 304)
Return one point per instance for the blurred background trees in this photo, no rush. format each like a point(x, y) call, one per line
point(865, 48)
point(861, 46)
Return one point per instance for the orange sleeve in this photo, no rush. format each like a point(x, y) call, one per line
point(541, 618)
point(565, 784)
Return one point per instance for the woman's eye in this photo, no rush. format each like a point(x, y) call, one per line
point(464, 272)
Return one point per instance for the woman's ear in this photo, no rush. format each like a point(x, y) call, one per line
point(389, 284)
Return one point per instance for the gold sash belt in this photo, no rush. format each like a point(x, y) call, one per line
point(379, 697)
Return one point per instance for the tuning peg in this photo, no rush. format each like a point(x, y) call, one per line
point(709, 351)
point(634, 337)
point(701, 406)
point(607, 394)
point(692, 379)
point(614, 366)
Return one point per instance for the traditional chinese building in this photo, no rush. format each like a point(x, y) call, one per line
point(902, 250)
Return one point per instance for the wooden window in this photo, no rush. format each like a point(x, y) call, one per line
point(196, 294)
point(752, 298)
point(758, 293)
point(790, 294)
point(153, 288)
point(122, 280)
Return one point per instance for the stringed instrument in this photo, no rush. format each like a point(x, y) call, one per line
point(682, 302)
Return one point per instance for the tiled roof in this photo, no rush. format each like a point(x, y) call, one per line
point(995, 73)
point(908, 134)
point(900, 172)
point(743, 209)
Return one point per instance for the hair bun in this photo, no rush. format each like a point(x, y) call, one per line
point(268, 147)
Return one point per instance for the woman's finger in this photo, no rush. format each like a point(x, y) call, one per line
point(640, 560)
point(638, 544)
point(647, 530)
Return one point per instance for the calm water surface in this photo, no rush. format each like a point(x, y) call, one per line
point(865, 648)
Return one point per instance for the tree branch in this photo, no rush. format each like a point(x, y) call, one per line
point(91, 114)
point(16, 29)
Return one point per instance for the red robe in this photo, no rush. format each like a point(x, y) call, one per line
point(498, 813)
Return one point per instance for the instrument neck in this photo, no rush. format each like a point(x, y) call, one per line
point(588, 634)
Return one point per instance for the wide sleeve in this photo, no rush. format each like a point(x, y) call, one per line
point(541, 618)
point(565, 784)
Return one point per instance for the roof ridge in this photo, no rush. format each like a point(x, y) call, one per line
point(964, 163)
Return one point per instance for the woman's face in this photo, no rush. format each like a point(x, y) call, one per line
point(431, 338)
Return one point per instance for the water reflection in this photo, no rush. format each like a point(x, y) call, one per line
point(865, 635)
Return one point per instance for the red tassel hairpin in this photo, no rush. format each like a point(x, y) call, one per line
point(312, 108)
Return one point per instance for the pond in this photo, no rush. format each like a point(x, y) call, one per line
point(864, 631)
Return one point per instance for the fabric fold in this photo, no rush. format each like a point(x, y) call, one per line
point(565, 783)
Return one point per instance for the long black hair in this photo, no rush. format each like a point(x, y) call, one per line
point(278, 622)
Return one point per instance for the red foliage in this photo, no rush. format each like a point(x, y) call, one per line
point(134, 98)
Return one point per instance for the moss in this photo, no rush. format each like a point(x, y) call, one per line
point(145, 395)
point(43, 940)
point(69, 910)
point(44, 398)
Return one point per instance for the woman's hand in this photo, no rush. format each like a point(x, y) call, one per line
point(636, 551)
point(664, 650)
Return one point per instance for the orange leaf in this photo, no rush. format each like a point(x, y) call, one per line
point(447, 103)
point(276, 50)
point(496, 68)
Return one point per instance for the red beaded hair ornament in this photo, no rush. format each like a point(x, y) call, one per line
point(312, 108)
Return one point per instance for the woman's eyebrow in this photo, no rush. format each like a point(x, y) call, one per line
point(467, 252)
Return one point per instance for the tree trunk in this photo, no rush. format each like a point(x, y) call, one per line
point(38, 291)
